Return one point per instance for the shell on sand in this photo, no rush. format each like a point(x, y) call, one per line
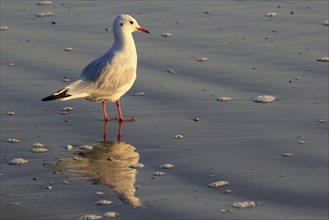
point(103, 202)
point(111, 214)
point(323, 59)
point(69, 49)
point(287, 154)
point(139, 94)
point(178, 136)
point(271, 14)
point(167, 166)
point(3, 28)
point(90, 217)
point(218, 184)
point(39, 150)
point(224, 99)
point(136, 166)
point(68, 147)
point(86, 147)
point(99, 193)
point(67, 109)
point(159, 173)
point(265, 98)
point(66, 79)
point(202, 59)
point(166, 34)
point(13, 140)
point(245, 204)
point(44, 3)
point(45, 14)
point(77, 158)
point(17, 161)
point(171, 71)
point(11, 113)
point(38, 145)
point(196, 119)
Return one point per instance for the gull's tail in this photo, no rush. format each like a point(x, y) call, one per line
point(57, 95)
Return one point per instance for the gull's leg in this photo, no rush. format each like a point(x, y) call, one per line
point(120, 113)
point(105, 114)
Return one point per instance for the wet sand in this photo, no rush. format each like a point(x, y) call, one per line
point(238, 141)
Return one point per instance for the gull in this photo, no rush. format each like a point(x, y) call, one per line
point(110, 76)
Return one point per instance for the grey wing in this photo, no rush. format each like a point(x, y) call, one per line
point(114, 82)
point(94, 70)
point(116, 76)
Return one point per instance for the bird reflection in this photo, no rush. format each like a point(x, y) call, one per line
point(108, 163)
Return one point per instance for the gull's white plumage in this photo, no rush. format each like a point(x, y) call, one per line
point(110, 76)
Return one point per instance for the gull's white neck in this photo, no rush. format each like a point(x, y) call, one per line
point(125, 45)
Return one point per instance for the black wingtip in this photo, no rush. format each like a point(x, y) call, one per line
point(57, 95)
point(48, 98)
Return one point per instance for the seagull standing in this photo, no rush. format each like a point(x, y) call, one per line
point(110, 76)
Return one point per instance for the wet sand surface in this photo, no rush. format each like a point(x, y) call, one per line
point(274, 154)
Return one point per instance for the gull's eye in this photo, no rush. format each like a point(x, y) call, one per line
point(121, 24)
point(131, 22)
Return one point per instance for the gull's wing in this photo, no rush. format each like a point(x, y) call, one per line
point(109, 72)
point(94, 69)
point(101, 80)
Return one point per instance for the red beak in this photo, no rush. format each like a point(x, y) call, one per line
point(143, 30)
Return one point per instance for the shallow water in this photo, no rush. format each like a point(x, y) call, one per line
point(239, 141)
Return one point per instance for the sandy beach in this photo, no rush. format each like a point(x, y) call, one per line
point(274, 154)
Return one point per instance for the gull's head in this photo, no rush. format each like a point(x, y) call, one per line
point(127, 24)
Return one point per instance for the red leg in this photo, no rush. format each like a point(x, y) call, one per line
point(105, 113)
point(120, 113)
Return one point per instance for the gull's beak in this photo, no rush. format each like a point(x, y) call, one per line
point(143, 30)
